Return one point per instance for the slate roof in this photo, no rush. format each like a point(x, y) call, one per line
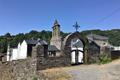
point(52, 48)
point(31, 41)
point(56, 23)
point(98, 37)
point(34, 42)
point(78, 44)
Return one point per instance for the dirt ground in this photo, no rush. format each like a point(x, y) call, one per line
point(109, 71)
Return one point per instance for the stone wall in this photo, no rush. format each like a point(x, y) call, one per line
point(94, 52)
point(44, 62)
point(27, 69)
point(18, 70)
point(3, 57)
point(115, 55)
point(51, 62)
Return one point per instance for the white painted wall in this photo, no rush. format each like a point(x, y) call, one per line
point(80, 57)
point(73, 57)
point(17, 53)
point(23, 50)
point(8, 57)
point(14, 54)
point(80, 48)
point(8, 53)
point(117, 48)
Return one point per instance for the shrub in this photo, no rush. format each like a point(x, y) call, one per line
point(104, 59)
point(34, 78)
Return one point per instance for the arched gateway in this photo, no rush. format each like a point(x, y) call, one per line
point(76, 51)
point(75, 48)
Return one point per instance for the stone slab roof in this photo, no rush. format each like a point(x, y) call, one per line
point(31, 41)
point(34, 42)
point(52, 48)
point(98, 37)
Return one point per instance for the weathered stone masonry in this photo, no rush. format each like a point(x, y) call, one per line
point(18, 70)
point(27, 69)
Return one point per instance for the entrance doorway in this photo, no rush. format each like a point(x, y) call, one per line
point(77, 51)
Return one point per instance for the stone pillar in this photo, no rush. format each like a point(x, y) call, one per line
point(38, 55)
point(67, 55)
point(86, 56)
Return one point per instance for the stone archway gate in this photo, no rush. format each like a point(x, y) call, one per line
point(66, 49)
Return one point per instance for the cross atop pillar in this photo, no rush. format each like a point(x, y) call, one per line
point(76, 26)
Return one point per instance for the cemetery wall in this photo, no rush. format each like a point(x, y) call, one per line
point(115, 55)
point(44, 61)
point(18, 70)
point(28, 69)
point(51, 62)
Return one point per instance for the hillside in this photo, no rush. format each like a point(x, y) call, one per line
point(13, 40)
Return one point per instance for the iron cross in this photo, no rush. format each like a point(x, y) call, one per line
point(76, 26)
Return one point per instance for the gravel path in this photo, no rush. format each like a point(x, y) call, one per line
point(109, 71)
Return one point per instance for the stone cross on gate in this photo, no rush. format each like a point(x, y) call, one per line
point(76, 26)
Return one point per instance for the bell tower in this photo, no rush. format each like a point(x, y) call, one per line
point(56, 37)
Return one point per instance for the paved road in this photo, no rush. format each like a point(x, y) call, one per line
point(96, 72)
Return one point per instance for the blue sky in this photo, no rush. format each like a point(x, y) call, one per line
point(17, 16)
